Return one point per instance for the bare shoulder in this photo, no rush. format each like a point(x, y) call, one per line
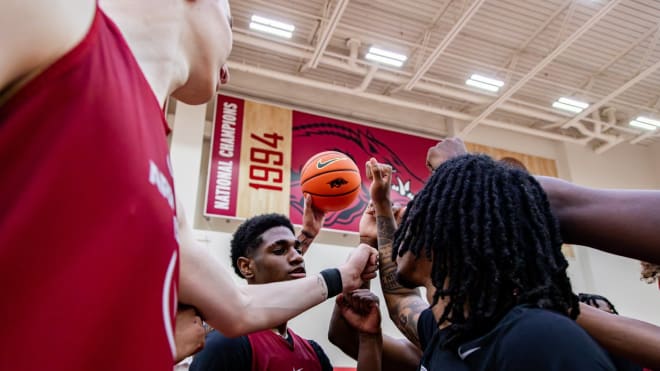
point(35, 33)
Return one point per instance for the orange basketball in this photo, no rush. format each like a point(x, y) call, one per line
point(332, 179)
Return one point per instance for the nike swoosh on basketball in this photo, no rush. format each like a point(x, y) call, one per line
point(321, 164)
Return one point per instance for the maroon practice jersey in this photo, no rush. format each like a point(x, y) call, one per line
point(88, 250)
point(271, 352)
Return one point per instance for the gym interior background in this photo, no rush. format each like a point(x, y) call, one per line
point(574, 82)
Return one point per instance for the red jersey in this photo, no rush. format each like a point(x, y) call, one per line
point(271, 352)
point(88, 250)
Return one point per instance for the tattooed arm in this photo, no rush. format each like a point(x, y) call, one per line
point(404, 305)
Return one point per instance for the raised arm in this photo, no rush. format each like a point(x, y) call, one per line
point(35, 33)
point(360, 309)
point(404, 305)
point(237, 310)
point(398, 354)
point(622, 222)
point(629, 338)
point(311, 224)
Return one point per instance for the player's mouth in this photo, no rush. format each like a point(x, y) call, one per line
point(298, 273)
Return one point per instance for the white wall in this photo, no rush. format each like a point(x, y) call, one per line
point(590, 270)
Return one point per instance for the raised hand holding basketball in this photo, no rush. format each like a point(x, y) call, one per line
point(313, 218)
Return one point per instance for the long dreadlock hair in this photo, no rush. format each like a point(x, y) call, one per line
point(493, 242)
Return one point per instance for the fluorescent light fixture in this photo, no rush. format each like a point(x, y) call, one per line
point(573, 102)
point(571, 105)
point(487, 80)
point(272, 27)
point(481, 85)
point(567, 107)
point(485, 83)
point(648, 121)
point(642, 125)
point(386, 57)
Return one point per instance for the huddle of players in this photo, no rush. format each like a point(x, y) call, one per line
point(83, 142)
point(481, 237)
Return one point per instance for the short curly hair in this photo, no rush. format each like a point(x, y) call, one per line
point(650, 272)
point(247, 237)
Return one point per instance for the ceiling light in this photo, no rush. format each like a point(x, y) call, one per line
point(272, 27)
point(642, 125)
point(485, 83)
point(648, 121)
point(570, 105)
point(386, 57)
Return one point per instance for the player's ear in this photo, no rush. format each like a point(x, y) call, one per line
point(245, 266)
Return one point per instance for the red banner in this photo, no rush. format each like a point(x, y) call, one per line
point(224, 162)
point(406, 153)
point(250, 139)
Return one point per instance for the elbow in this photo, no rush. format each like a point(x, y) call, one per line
point(229, 327)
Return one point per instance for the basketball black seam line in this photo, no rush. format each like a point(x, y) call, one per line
point(326, 172)
point(338, 195)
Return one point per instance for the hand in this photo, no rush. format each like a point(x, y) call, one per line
point(360, 267)
point(360, 309)
point(381, 181)
point(189, 335)
point(443, 151)
point(368, 230)
point(312, 219)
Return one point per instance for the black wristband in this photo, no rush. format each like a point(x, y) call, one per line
point(332, 279)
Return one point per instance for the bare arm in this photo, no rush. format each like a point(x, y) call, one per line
point(35, 33)
point(404, 305)
point(398, 354)
point(622, 222)
point(360, 310)
point(311, 224)
point(629, 338)
point(235, 309)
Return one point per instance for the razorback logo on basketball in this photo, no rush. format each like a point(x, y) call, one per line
point(337, 183)
point(321, 164)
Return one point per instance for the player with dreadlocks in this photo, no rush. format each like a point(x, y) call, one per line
point(484, 233)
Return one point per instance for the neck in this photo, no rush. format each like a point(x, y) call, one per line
point(153, 32)
point(281, 329)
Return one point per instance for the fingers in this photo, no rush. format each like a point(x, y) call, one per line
point(376, 171)
point(361, 300)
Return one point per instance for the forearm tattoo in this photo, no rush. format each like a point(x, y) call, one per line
point(404, 304)
point(386, 227)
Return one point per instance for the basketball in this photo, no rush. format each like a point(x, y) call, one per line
point(332, 179)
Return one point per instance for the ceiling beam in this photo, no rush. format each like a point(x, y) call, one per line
point(513, 61)
point(398, 77)
point(465, 18)
point(400, 103)
point(541, 65)
point(326, 34)
point(639, 77)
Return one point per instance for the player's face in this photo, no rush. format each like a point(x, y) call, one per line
point(210, 42)
point(412, 271)
point(278, 257)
